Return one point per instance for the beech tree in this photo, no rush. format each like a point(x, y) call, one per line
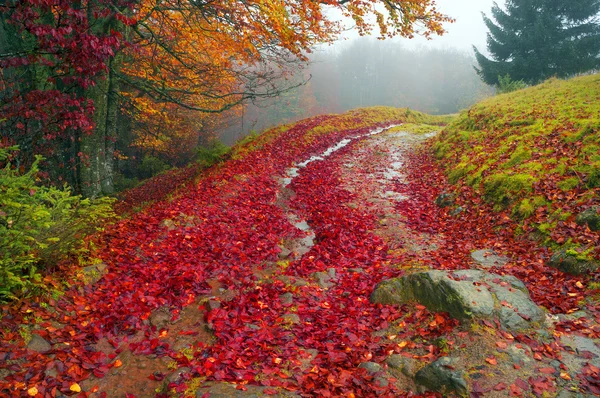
point(72, 69)
point(532, 40)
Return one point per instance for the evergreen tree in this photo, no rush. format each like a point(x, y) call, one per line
point(532, 40)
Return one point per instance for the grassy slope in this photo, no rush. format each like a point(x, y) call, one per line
point(326, 124)
point(534, 152)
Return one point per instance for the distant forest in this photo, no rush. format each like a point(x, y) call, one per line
point(369, 72)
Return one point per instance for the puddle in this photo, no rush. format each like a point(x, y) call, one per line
point(301, 246)
point(292, 172)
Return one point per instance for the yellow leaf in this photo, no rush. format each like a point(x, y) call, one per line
point(118, 363)
point(75, 388)
point(32, 392)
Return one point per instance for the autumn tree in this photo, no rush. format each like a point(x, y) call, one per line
point(532, 40)
point(73, 69)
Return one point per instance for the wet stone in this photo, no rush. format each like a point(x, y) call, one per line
point(286, 299)
point(213, 304)
point(323, 279)
point(371, 367)
point(583, 346)
point(590, 217)
point(284, 253)
point(445, 199)
point(464, 294)
point(229, 390)
point(440, 376)
point(293, 319)
point(172, 378)
point(160, 318)
point(569, 263)
point(405, 365)
point(519, 355)
point(39, 344)
point(488, 258)
point(93, 273)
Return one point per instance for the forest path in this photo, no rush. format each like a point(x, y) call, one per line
point(257, 282)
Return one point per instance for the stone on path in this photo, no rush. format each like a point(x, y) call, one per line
point(93, 273)
point(445, 199)
point(590, 217)
point(464, 294)
point(38, 344)
point(407, 366)
point(440, 376)
point(569, 263)
point(229, 390)
point(488, 258)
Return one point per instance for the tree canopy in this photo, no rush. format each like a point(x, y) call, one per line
point(532, 40)
point(82, 77)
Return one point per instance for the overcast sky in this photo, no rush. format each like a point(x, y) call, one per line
point(468, 29)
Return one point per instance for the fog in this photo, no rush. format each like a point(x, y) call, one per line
point(436, 76)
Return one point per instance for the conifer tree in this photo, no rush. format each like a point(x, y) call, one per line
point(532, 40)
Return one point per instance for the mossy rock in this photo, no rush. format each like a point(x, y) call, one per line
point(441, 377)
point(590, 217)
point(465, 295)
point(445, 199)
point(572, 264)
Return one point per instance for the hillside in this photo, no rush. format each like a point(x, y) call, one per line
point(337, 256)
point(534, 155)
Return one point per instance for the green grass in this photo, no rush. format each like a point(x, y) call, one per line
point(504, 145)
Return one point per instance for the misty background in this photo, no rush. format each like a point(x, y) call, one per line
point(435, 76)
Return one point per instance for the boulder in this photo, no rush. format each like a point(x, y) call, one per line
point(464, 295)
point(568, 262)
point(445, 199)
point(590, 217)
point(407, 366)
point(229, 390)
point(93, 273)
point(441, 377)
point(39, 344)
point(488, 258)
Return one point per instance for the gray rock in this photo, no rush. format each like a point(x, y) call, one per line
point(464, 295)
point(519, 355)
point(293, 319)
point(488, 258)
point(323, 280)
point(438, 292)
point(405, 365)
point(517, 309)
point(175, 375)
point(160, 318)
point(456, 211)
point(229, 390)
point(440, 376)
point(213, 304)
point(372, 367)
point(286, 299)
point(445, 199)
point(284, 253)
point(39, 344)
point(591, 217)
point(570, 264)
point(581, 344)
point(93, 273)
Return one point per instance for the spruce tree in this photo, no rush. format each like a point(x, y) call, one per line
point(532, 40)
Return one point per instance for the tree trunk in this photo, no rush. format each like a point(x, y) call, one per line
point(93, 145)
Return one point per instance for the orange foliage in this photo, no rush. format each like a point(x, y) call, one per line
point(211, 56)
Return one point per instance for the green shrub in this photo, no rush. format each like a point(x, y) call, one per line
point(213, 153)
point(151, 166)
point(40, 226)
point(508, 85)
